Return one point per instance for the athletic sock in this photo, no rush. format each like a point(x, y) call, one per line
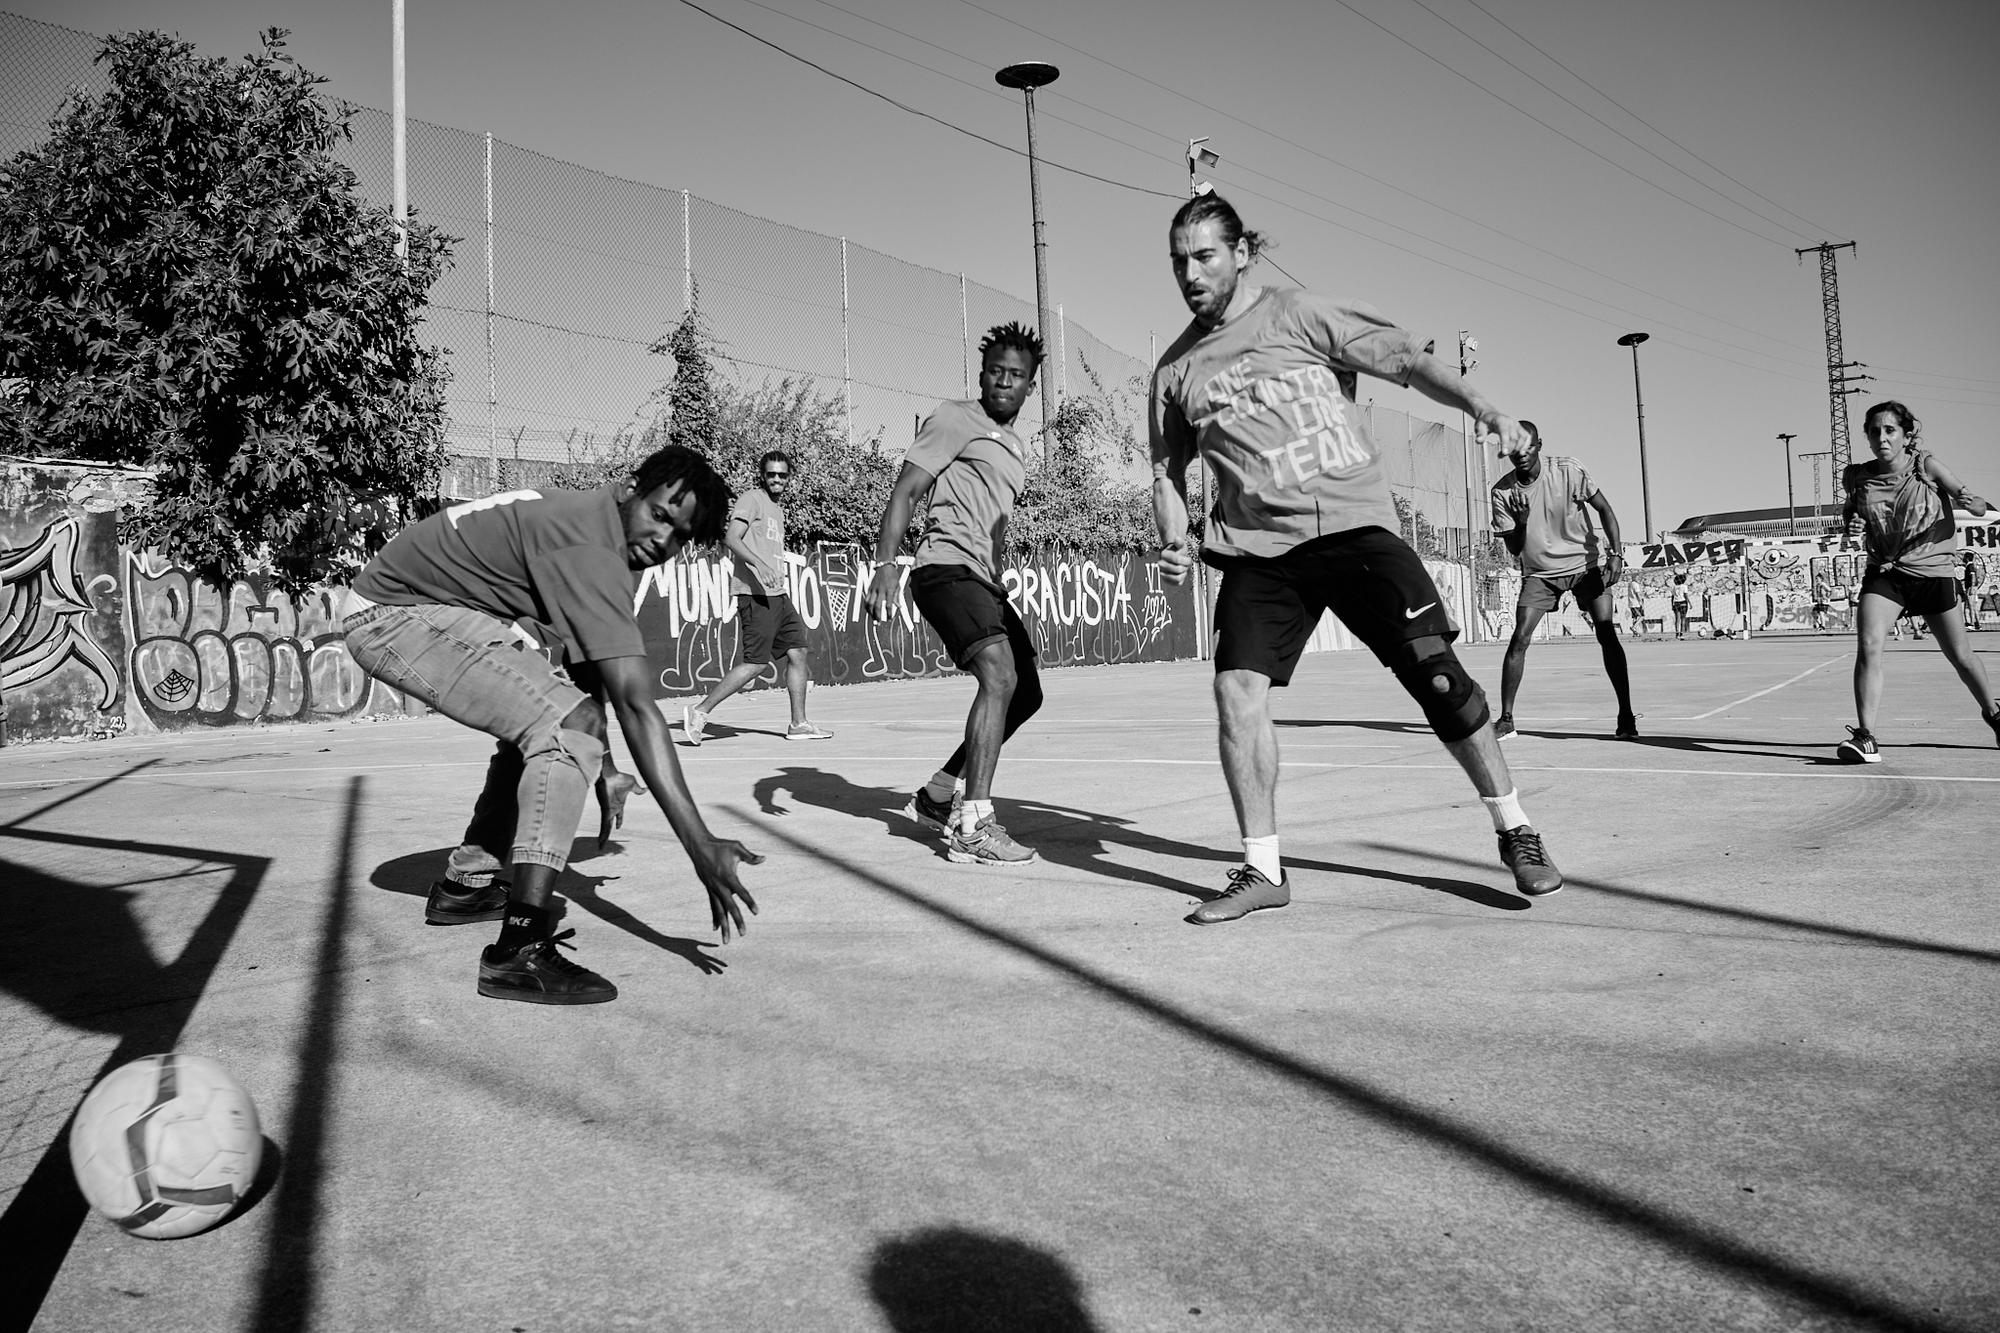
point(1261, 855)
point(942, 786)
point(523, 925)
point(1506, 810)
point(972, 814)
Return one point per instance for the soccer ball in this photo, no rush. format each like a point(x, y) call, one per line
point(166, 1145)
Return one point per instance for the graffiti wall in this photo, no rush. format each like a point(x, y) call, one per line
point(1080, 609)
point(96, 638)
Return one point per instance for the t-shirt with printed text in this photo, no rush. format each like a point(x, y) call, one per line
point(763, 533)
point(980, 467)
point(1558, 538)
point(1268, 400)
point(554, 557)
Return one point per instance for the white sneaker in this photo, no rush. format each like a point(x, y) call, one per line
point(692, 722)
point(807, 731)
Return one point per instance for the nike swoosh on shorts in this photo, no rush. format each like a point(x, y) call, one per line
point(1412, 615)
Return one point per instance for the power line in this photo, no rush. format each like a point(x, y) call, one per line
point(1815, 227)
point(915, 111)
point(1671, 166)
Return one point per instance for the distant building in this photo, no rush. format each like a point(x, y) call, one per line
point(1761, 523)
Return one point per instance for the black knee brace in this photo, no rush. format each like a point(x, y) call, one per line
point(1452, 701)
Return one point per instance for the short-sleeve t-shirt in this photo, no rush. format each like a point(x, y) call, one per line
point(1908, 525)
point(553, 557)
point(1557, 537)
point(764, 536)
point(1268, 400)
point(980, 467)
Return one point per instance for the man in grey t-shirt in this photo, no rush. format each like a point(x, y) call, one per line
point(1541, 510)
point(766, 620)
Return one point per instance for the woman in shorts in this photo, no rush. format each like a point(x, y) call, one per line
point(1901, 503)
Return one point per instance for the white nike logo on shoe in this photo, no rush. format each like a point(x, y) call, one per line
point(1412, 615)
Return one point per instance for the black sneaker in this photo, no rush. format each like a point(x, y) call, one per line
point(1628, 727)
point(538, 974)
point(1860, 748)
point(453, 904)
point(1503, 727)
point(1993, 721)
point(1521, 851)
point(1248, 891)
point(935, 815)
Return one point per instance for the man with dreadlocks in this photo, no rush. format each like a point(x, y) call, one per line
point(433, 616)
point(969, 459)
point(1262, 384)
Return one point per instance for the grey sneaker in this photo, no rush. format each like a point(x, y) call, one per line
point(987, 845)
point(933, 815)
point(807, 731)
point(1521, 851)
point(693, 720)
point(1249, 890)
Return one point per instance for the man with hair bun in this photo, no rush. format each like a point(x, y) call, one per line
point(971, 462)
point(1262, 385)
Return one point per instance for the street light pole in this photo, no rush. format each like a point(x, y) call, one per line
point(1632, 340)
point(1029, 75)
point(1468, 344)
point(1791, 506)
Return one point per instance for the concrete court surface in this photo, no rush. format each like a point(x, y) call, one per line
point(1739, 1075)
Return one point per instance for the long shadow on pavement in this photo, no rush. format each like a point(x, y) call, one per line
point(80, 956)
point(1686, 1236)
point(1078, 839)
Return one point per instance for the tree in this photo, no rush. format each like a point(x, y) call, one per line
point(190, 283)
point(1071, 500)
point(692, 396)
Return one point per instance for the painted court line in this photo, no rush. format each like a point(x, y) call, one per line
point(1702, 717)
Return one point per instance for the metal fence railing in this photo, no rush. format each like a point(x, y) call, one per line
point(564, 277)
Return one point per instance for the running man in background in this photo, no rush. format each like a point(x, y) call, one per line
point(433, 615)
point(1899, 504)
point(1262, 385)
point(969, 460)
point(767, 622)
point(1539, 510)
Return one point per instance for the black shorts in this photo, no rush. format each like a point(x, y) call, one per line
point(1916, 594)
point(1368, 577)
point(967, 612)
point(771, 627)
point(1544, 592)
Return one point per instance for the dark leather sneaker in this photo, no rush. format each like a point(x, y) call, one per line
point(934, 815)
point(1522, 852)
point(1628, 727)
point(1860, 748)
point(457, 905)
point(1503, 727)
point(1248, 891)
point(1993, 721)
point(538, 974)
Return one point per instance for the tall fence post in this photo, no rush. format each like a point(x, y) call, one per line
point(687, 259)
point(964, 339)
point(1062, 356)
point(492, 367)
point(846, 367)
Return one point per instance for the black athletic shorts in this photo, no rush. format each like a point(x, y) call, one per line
point(1369, 577)
point(1544, 592)
point(771, 626)
point(967, 612)
point(1916, 594)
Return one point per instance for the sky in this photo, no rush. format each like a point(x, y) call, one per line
point(1547, 174)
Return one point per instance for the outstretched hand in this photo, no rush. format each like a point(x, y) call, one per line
point(880, 599)
point(1504, 433)
point(716, 862)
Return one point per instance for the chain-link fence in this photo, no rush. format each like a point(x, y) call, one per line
point(564, 277)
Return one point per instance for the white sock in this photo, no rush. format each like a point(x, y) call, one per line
point(942, 785)
point(1261, 855)
point(1506, 810)
point(972, 813)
